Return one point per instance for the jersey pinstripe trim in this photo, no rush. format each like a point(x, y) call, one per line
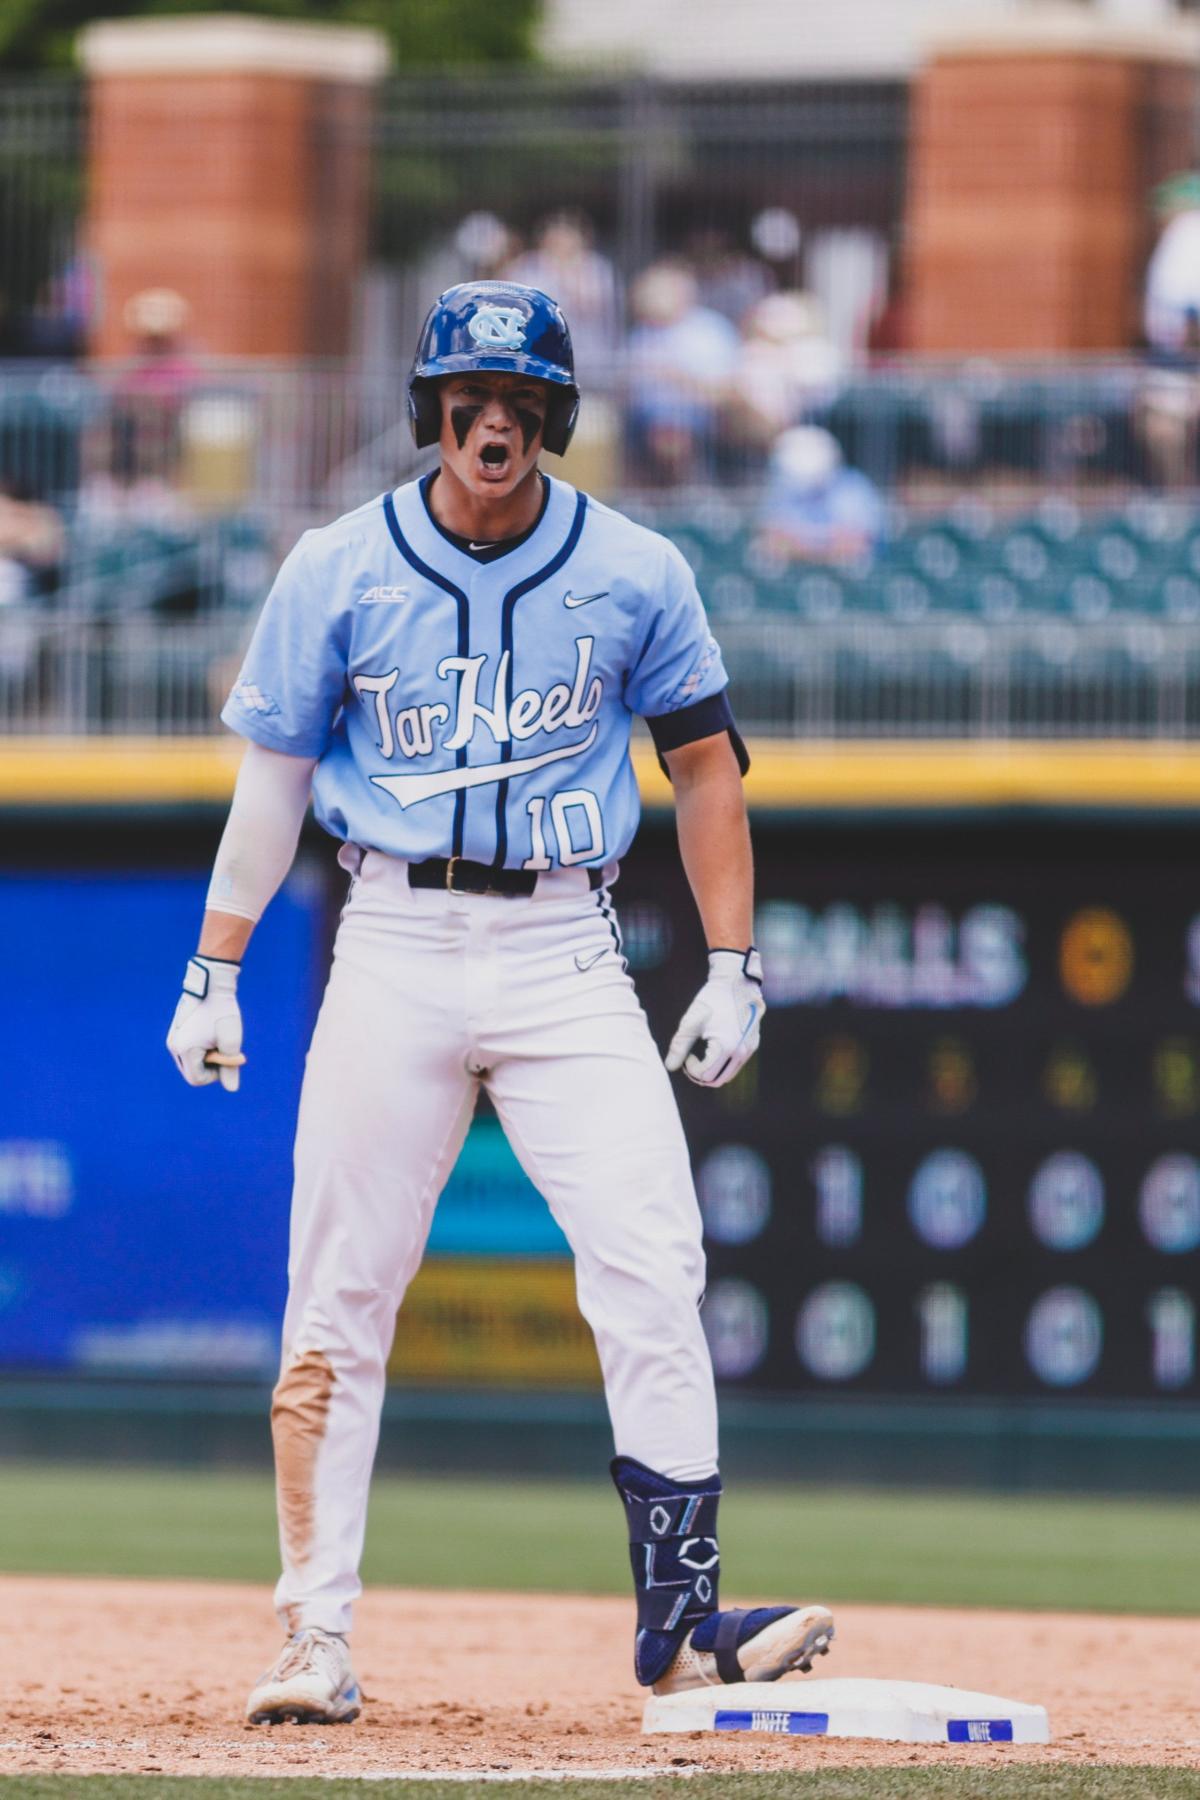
point(564, 552)
point(604, 902)
point(464, 643)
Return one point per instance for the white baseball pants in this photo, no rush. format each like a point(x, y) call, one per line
point(432, 994)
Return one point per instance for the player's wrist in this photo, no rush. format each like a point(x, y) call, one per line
point(726, 964)
point(223, 936)
point(206, 975)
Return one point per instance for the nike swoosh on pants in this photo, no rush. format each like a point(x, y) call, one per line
point(410, 790)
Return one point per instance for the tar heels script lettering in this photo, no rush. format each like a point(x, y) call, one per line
point(414, 731)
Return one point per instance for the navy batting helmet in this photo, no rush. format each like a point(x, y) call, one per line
point(494, 325)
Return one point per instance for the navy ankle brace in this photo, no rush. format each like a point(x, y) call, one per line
point(674, 1556)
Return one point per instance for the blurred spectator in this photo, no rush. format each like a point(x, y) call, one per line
point(776, 235)
point(138, 480)
point(846, 272)
point(1168, 404)
point(1166, 417)
point(32, 539)
point(156, 319)
point(816, 509)
point(564, 264)
point(729, 280)
point(1172, 301)
point(681, 357)
point(485, 245)
point(56, 326)
point(787, 367)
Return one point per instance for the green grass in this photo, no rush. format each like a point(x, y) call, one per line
point(955, 1549)
point(1026, 1783)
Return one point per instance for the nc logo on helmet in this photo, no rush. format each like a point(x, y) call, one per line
point(498, 328)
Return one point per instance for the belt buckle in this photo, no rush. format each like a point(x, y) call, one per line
point(451, 861)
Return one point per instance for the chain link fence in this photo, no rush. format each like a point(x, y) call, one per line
point(759, 185)
point(860, 679)
point(995, 584)
point(1013, 552)
point(135, 671)
point(305, 441)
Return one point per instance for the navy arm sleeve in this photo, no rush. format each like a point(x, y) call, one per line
point(706, 718)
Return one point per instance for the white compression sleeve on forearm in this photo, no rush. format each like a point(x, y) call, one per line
point(261, 833)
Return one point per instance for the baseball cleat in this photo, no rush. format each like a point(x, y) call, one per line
point(748, 1646)
point(310, 1683)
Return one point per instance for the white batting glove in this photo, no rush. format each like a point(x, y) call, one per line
point(207, 1018)
point(720, 1028)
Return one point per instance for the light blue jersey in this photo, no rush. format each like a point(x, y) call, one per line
point(479, 709)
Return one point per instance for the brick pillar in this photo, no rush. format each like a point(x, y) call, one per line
point(1034, 150)
point(229, 161)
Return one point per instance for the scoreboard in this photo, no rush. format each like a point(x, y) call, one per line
point(966, 1161)
point(967, 1158)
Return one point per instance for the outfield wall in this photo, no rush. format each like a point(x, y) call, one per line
point(953, 1209)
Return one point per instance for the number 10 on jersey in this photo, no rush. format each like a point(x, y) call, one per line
point(577, 826)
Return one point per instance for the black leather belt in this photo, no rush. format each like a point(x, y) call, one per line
point(458, 875)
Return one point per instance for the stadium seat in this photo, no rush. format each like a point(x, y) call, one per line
point(1072, 609)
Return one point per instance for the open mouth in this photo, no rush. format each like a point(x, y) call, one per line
point(494, 458)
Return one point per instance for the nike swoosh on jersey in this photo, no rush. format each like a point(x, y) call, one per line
point(570, 599)
point(410, 790)
point(584, 963)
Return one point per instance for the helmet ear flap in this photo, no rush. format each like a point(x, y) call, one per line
point(562, 410)
point(424, 411)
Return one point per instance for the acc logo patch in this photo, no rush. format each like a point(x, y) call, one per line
point(498, 328)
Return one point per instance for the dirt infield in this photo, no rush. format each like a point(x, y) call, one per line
point(143, 1675)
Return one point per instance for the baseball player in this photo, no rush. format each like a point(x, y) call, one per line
point(453, 671)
